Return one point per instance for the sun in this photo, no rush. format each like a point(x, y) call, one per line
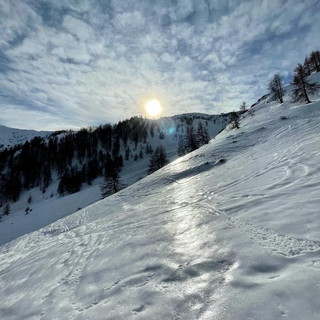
point(153, 107)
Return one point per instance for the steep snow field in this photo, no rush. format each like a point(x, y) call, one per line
point(230, 231)
point(12, 136)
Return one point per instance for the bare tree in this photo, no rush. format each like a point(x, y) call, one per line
point(302, 86)
point(275, 87)
point(314, 61)
point(307, 66)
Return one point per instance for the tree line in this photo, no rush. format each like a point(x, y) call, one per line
point(302, 86)
point(71, 157)
point(193, 139)
point(77, 158)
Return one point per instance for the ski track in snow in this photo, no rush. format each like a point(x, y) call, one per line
point(296, 174)
point(280, 243)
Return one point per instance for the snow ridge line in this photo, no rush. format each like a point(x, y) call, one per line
point(282, 244)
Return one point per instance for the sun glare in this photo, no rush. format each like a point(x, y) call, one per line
point(153, 108)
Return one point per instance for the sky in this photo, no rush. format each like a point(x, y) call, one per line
point(77, 63)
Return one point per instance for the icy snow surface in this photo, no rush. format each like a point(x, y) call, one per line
point(202, 238)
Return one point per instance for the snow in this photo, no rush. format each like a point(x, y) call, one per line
point(229, 231)
point(12, 136)
point(44, 210)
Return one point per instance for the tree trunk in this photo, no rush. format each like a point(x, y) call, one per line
point(304, 89)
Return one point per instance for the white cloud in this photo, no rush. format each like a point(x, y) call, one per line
point(97, 61)
point(78, 28)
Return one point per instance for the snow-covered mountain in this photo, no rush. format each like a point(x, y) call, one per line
point(229, 231)
point(11, 136)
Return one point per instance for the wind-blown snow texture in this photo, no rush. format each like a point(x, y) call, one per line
point(199, 239)
point(11, 136)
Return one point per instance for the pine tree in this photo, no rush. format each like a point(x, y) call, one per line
point(158, 159)
point(118, 162)
point(152, 126)
point(181, 150)
point(302, 86)
point(127, 155)
point(46, 178)
point(116, 147)
point(276, 88)
point(111, 185)
point(149, 149)
point(6, 210)
point(191, 139)
point(235, 120)
point(112, 182)
point(202, 135)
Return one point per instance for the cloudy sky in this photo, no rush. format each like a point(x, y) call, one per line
point(75, 63)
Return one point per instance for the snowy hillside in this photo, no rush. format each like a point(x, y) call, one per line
point(49, 206)
point(11, 136)
point(229, 231)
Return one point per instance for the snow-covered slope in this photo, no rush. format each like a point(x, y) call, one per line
point(49, 206)
point(12, 136)
point(230, 231)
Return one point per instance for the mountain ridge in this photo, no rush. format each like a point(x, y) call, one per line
point(12, 136)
